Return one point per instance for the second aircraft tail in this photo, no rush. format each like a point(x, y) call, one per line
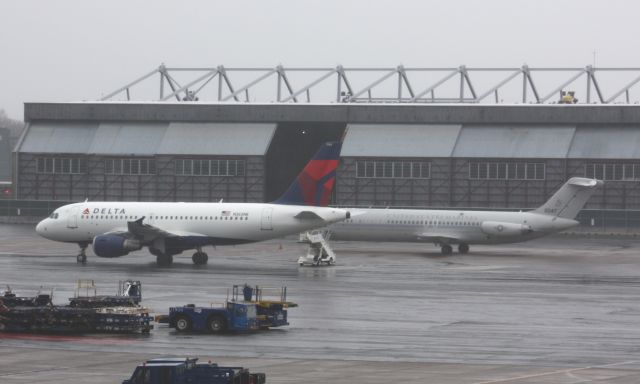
point(314, 184)
point(570, 198)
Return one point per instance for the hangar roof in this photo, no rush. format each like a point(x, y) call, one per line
point(400, 140)
point(146, 139)
point(217, 139)
point(59, 137)
point(127, 139)
point(597, 142)
point(529, 141)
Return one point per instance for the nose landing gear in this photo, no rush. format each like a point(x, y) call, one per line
point(82, 256)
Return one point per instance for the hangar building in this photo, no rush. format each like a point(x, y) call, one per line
point(432, 155)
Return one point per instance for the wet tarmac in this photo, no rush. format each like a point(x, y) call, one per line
point(556, 310)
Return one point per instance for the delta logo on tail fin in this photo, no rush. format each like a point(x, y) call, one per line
point(314, 184)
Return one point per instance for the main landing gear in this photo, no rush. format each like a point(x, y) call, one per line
point(447, 249)
point(200, 258)
point(82, 256)
point(162, 259)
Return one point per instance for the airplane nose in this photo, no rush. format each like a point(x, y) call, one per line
point(41, 228)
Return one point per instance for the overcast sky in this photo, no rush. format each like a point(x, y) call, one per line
point(69, 50)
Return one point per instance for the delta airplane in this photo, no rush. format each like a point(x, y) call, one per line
point(445, 228)
point(117, 228)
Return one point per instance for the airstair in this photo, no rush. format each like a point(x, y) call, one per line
point(319, 251)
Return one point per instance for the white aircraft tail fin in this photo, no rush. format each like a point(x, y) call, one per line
point(570, 198)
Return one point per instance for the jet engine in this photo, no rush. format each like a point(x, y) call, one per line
point(497, 228)
point(112, 245)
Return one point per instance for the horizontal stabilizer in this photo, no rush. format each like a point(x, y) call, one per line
point(583, 182)
point(308, 215)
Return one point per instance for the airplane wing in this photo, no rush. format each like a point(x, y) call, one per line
point(439, 238)
point(146, 233)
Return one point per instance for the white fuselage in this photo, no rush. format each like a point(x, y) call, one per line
point(455, 227)
point(223, 223)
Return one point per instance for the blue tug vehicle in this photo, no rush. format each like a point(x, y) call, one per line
point(246, 310)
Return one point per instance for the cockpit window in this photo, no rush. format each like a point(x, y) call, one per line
point(54, 215)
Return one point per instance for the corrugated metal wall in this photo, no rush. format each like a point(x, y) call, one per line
point(160, 143)
point(564, 151)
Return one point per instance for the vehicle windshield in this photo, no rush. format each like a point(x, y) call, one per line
point(54, 215)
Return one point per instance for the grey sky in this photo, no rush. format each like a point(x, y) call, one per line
point(68, 50)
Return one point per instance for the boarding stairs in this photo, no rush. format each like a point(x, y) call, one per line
point(319, 251)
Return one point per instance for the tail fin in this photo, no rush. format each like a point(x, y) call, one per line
point(314, 184)
point(570, 198)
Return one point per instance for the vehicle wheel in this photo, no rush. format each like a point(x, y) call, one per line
point(446, 249)
point(81, 259)
point(216, 324)
point(164, 260)
point(463, 248)
point(183, 324)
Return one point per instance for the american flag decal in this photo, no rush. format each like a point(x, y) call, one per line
point(226, 213)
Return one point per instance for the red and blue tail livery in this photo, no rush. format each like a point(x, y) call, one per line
point(315, 183)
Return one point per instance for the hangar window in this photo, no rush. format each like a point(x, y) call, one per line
point(613, 171)
point(60, 165)
point(200, 167)
point(506, 171)
point(393, 169)
point(129, 166)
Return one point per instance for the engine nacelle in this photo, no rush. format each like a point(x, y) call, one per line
point(497, 228)
point(114, 245)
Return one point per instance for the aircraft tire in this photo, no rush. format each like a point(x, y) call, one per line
point(463, 248)
point(200, 258)
point(446, 249)
point(81, 259)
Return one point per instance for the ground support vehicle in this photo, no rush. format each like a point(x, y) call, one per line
point(65, 319)
point(319, 251)
point(187, 370)
point(39, 314)
point(248, 312)
point(129, 295)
